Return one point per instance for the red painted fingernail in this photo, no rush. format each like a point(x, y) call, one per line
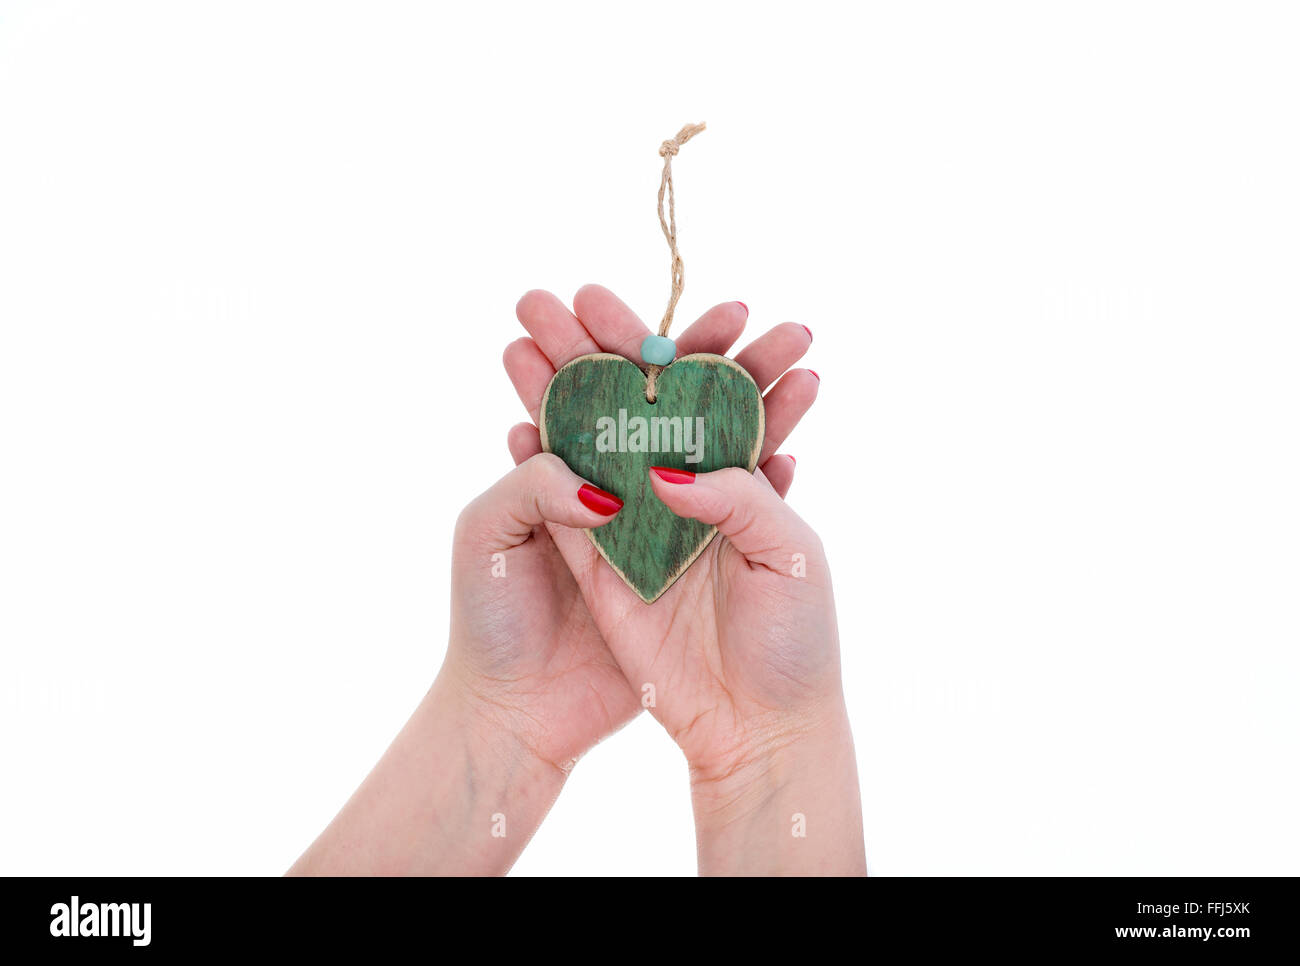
point(669, 475)
point(743, 306)
point(593, 498)
point(792, 459)
point(814, 372)
point(808, 330)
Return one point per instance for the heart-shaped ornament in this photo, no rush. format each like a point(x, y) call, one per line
point(707, 415)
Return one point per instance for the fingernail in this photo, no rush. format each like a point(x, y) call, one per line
point(792, 459)
point(808, 330)
point(593, 498)
point(669, 475)
point(743, 306)
point(814, 372)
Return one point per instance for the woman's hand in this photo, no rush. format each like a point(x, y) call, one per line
point(523, 642)
point(741, 653)
point(526, 687)
point(751, 692)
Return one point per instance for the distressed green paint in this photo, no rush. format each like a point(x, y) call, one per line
point(646, 543)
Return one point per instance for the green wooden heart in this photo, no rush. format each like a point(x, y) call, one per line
point(590, 419)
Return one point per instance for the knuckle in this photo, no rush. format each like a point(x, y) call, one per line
point(545, 468)
point(734, 476)
point(545, 475)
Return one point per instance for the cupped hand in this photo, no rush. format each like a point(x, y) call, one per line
point(524, 647)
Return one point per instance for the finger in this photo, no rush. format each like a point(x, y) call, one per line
point(783, 407)
point(557, 331)
point(779, 471)
point(745, 510)
point(524, 441)
point(613, 326)
point(775, 351)
point(530, 372)
point(540, 490)
point(715, 331)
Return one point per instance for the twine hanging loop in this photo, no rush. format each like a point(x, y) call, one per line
point(668, 150)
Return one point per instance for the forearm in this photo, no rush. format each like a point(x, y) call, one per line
point(453, 795)
point(793, 810)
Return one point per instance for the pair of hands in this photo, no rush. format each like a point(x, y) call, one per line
point(741, 654)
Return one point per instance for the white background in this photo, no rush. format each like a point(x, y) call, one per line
point(257, 266)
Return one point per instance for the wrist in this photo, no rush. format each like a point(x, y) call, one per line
point(497, 734)
point(786, 803)
point(454, 794)
point(763, 746)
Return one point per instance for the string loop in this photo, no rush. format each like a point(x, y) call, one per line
point(668, 150)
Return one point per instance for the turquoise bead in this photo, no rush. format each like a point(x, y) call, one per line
point(658, 351)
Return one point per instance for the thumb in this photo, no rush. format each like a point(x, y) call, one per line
point(744, 508)
point(541, 489)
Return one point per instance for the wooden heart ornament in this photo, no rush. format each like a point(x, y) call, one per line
point(707, 415)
